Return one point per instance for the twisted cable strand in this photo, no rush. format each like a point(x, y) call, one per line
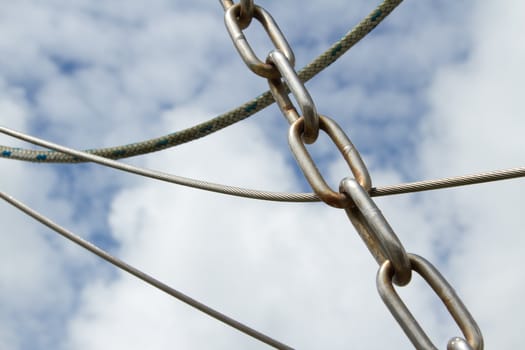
point(447, 182)
point(222, 121)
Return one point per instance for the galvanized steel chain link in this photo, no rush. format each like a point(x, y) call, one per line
point(396, 265)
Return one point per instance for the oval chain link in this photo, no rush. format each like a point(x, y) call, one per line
point(266, 70)
point(310, 171)
point(456, 308)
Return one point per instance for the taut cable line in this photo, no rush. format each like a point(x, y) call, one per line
point(224, 120)
point(142, 275)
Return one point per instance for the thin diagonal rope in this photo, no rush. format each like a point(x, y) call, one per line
point(418, 186)
point(224, 120)
point(142, 275)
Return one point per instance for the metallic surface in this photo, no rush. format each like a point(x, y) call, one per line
point(280, 94)
point(443, 290)
point(143, 276)
point(266, 70)
point(379, 236)
point(298, 90)
point(246, 15)
point(246, 12)
point(310, 171)
point(226, 4)
point(458, 343)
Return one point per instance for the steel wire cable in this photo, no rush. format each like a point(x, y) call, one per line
point(418, 186)
point(222, 121)
point(179, 180)
point(142, 275)
point(447, 182)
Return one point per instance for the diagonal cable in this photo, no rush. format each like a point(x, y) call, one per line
point(224, 120)
point(142, 275)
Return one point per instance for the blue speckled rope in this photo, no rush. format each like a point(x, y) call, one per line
point(222, 121)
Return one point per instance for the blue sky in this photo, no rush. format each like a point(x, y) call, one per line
point(434, 91)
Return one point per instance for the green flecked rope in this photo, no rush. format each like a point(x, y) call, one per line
point(222, 121)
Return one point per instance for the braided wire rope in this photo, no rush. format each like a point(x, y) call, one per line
point(222, 121)
point(418, 186)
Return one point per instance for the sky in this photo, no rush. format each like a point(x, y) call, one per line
point(434, 91)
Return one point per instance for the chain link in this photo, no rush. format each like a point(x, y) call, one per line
point(310, 171)
point(297, 88)
point(266, 70)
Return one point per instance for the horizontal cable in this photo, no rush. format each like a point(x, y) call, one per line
point(142, 275)
point(222, 121)
point(410, 187)
point(463, 180)
point(179, 180)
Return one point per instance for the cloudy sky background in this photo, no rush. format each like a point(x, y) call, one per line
point(435, 91)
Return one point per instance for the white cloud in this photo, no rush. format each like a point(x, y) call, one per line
point(434, 92)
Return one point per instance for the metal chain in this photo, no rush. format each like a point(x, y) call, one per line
point(379, 236)
point(224, 120)
point(289, 79)
point(456, 308)
point(395, 264)
point(142, 275)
